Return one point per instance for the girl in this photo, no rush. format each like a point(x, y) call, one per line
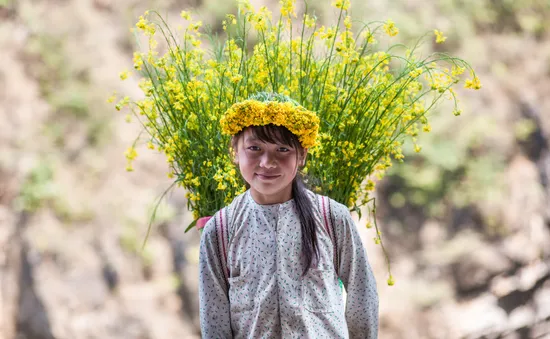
point(271, 261)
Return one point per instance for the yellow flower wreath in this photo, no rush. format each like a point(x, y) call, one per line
point(298, 120)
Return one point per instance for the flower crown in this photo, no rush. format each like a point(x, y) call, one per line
point(264, 109)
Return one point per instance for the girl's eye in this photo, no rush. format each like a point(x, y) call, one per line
point(283, 149)
point(254, 148)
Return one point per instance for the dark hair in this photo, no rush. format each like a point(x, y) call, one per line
point(279, 134)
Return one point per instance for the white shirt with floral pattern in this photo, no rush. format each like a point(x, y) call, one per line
point(266, 295)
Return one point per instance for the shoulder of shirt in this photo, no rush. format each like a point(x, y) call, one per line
point(210, 227)
point(338, 210)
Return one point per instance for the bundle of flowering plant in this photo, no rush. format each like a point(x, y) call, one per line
point(369, 99)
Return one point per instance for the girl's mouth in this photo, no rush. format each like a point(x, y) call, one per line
point(267, 177)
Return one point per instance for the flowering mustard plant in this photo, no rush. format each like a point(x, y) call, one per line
point(368, 99)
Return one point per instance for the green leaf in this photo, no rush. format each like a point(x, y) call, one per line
point(191, 225)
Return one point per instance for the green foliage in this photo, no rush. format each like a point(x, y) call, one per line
point(37, 189)
point(6, 3)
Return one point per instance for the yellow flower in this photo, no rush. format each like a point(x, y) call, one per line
point(327, 33)
point(439, 38)
point(457, 70)
point(124, 75)
point(473, 83)
point(347, 22)
point(195, 27)
point(391, 281)
point(309, 21)
point(144, 25)
point(342, 4)
point(231, 18)
point(245, 6)
point(390, 28)
point(122, 103)
point(287, 8)
point(417, 148)
point(457, 112)
point(138, 61)
point(130, 153)
point(369, 37)
point(185, 15)
point(112, 98)
point(370, 185)
point(417, 72)
point(236, 78)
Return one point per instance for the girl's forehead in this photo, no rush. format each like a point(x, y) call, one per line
point(268, 135)
point(249, 136)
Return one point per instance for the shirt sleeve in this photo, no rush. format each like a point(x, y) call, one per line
point(213, 290)
point(356, 274)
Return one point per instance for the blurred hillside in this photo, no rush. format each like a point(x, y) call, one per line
point(466, 221)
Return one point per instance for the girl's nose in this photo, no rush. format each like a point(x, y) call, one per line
point(267, 161)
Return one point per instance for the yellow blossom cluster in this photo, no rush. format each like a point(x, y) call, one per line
point(439, 38)
point(473, 83)
point(390, 28)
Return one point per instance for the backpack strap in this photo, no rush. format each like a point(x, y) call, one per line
point(328, 221)
point(222, 231)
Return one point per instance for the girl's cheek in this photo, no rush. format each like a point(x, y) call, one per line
point(252, 155)
point(287, 157)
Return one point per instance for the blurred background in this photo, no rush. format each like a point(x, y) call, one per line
point(466, 222)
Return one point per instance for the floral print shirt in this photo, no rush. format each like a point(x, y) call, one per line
point(265, 294)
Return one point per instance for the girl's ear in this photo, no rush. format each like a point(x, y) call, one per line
point(233, 151)
point(302, 158)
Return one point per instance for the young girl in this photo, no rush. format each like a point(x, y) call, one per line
point(271, 261)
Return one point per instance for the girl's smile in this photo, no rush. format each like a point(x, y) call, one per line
point(267, 177)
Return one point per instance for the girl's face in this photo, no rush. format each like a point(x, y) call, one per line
point(268, 168)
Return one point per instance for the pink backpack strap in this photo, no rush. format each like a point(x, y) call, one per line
point(222, 231)
point(324, 205)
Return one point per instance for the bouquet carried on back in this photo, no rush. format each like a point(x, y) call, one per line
point(352, 102)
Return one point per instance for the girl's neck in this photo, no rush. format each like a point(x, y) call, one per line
point(271, 199)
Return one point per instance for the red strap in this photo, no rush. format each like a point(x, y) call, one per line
point(201, 222)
